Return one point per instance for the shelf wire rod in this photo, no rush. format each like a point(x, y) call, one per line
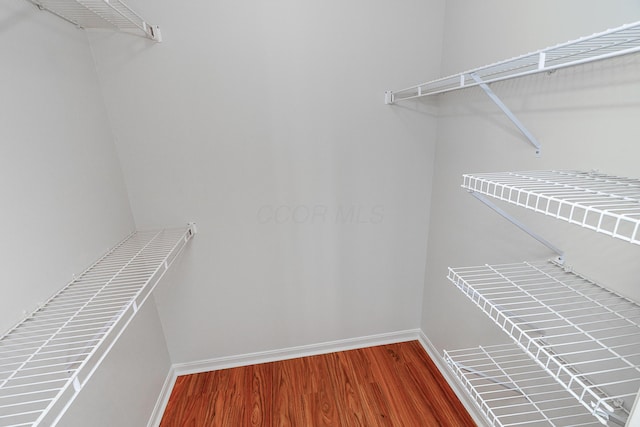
point(71, 318)
point(23, 413)
point(59, 15)
point(391, 96)
point(49, 356)
point(547, 349)
point(13, 405)
point(87, 316)
point(596, 302)
point(570, 367)
point(55, 355)
point(141, 26)
point(534, 382)
point(513, 382)
point(584, 50)
point(554, 198)
point(507, 385)
point(108, 298)
point(595, 47)
point(507, 314)
point(98, 336)
point(475, 394)
point(519, 224)
point(534, 328)
point(571, 309)
point(62, 372)
point(550, 334)
point(71, 338)
point(34, 333)
point(172, 254)
point(50, 390)
point(39, 331)
point(29, 349)
point(578, 184)
point(30, 384)
point(58, 380)
point(48, 359)
point(34, 368)
point(50, 300)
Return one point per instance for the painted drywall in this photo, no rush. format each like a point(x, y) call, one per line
point(265, 124)
point(64, 201)
point(585, 118)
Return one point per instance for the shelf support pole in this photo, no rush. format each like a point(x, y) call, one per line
point(491, 94)
point(507, 385)
point(520, 225)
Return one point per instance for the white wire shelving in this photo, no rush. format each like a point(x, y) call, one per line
point(106, 14)
point(607, 44)
point(603, 203)
point(615, 42)
point(47, 358)
point(512, 390)
point(583, 335)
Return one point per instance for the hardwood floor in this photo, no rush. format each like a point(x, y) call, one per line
point(389, 385)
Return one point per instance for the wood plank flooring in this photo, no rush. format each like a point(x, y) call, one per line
point(388, 385)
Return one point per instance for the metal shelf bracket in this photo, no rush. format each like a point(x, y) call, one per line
point(520, 225)
point(388, 97)
point(491, 94)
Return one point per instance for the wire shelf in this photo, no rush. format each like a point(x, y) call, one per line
point(512, 390)
point(47, 358)
point(607, 44)
point(110, 14)
point(582, 334)
point(603, 203)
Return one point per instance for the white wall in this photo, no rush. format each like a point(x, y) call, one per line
point(585, 118)
point(265, 124)
point(63, 197)
point(253, 108)
point(64, 201)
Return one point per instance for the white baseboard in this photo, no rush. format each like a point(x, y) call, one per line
point(178, 369)
point(163, 399)
point(464, 397)
point(293, 352)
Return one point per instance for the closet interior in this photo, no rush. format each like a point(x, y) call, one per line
point(573, 356)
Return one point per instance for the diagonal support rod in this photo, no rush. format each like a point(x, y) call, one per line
point(520, 225)
point(493, 379)
point(531, 139)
